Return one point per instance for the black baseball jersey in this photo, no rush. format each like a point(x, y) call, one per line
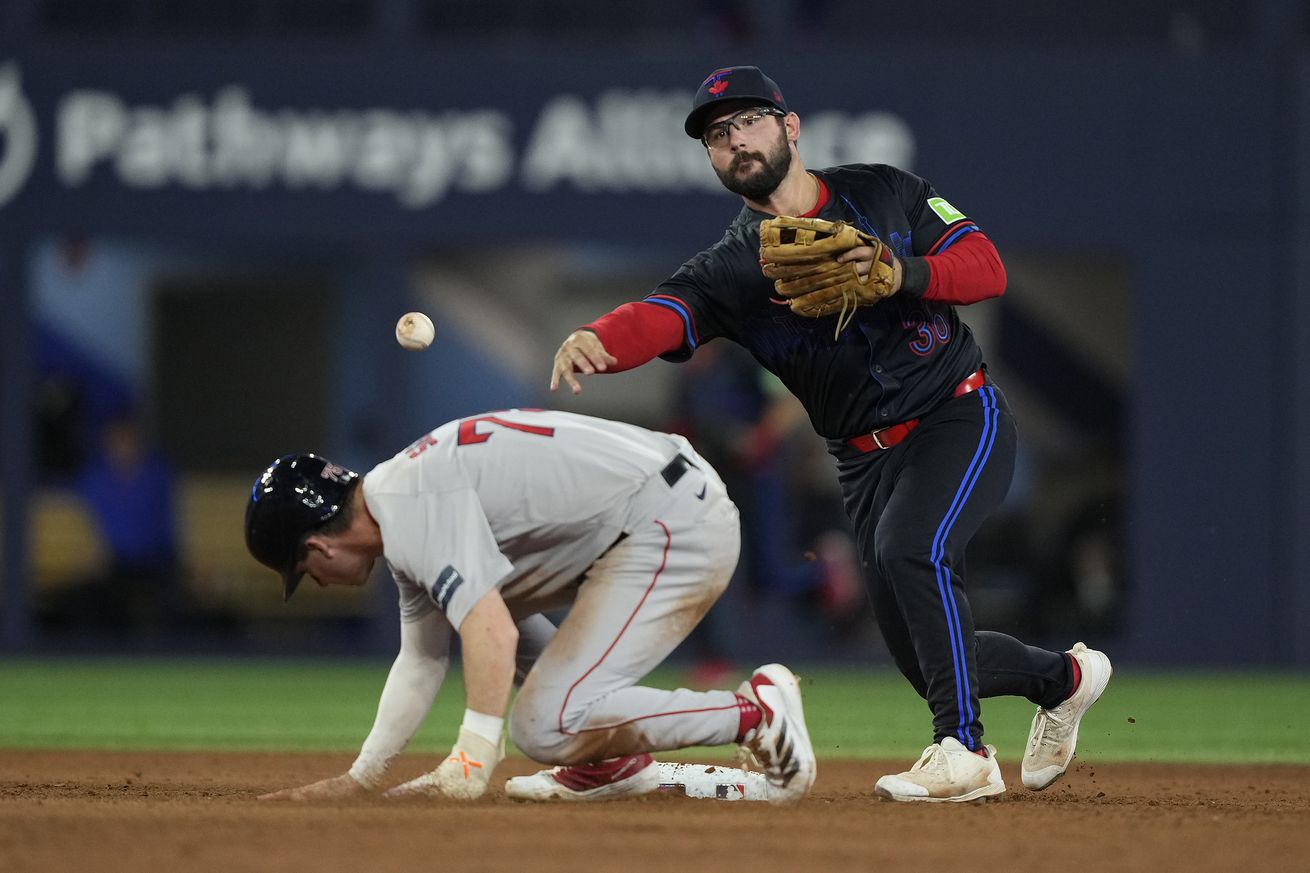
point(895, 361)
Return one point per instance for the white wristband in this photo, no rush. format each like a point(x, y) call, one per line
point(488, 727)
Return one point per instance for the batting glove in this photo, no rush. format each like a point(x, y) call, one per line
point(464, 775)
point(336, 788)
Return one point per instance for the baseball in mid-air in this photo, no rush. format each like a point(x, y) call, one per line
point(415, 331)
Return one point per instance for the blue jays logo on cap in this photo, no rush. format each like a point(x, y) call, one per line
point(747, 84)
point(717, 82)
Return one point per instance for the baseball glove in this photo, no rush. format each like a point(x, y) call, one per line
point(800, 256)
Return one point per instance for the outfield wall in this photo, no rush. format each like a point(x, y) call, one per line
point(1188, 170)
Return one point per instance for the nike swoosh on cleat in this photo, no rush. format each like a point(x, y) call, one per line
point(701, 495)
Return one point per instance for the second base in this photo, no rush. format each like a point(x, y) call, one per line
point(713, 782)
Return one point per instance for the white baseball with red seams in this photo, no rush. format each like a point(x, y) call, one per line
point(415, 331)
point(629, 527)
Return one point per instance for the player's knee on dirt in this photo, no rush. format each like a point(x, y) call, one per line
point(534, 726)
point(528, 735)
point(538, 729)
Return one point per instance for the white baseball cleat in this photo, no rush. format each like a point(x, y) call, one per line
point(1053, 737)
point(946, 772)
point(614, 779)
point(780, 744)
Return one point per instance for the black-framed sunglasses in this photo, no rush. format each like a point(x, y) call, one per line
point(717, 134)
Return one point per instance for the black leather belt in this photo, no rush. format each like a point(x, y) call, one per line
point(675, 469)
point(672, 472)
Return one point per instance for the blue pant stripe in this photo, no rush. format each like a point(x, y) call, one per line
point(964, 708)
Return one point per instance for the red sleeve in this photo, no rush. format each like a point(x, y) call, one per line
point(967, 272)
point(637, 332)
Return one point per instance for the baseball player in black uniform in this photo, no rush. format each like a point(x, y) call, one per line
point(922, 437)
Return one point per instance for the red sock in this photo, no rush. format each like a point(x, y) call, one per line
point(750, 716)
point(1077, 675)
point(583, 777)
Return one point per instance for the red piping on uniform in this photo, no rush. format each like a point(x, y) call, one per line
point(618, 724)
point(664, 560)
point(668, 542)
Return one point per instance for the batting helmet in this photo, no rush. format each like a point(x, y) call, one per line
point(295, 495)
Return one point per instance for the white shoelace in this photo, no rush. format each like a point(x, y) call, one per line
point(1051, 729)
point(934, 759)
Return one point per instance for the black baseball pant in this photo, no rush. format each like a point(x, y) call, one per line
point(915, 507)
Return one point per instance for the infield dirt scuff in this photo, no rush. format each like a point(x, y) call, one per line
point(133, 811)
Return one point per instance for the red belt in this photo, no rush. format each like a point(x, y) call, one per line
point(885, 438)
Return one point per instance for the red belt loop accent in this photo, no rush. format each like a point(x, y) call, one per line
point(885, 438)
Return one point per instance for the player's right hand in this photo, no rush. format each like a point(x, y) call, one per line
point(335, 788)
point(581, 352)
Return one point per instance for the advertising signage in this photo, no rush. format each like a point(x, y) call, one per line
point(191, 151)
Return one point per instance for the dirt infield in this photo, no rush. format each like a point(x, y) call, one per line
point(145, 811)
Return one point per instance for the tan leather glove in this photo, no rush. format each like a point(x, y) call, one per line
point(800, 255)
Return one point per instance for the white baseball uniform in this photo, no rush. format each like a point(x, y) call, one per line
point(629, 528)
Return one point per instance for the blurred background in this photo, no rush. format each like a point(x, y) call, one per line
point(212, 214)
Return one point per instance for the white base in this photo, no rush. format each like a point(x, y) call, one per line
point(712, 781)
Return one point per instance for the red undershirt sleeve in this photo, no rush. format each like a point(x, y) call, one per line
point(636, 333)
point(967, 272)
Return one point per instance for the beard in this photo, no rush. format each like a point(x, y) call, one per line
point(757, 186)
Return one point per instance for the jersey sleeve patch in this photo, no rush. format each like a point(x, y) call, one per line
point(448, 582)
point(945, 211)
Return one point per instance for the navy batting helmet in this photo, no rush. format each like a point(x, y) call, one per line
point(295, 495)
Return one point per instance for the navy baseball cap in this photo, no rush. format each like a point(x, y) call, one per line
point(731, 83)
point(295, 495)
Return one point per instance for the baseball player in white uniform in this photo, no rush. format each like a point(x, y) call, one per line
point(489, 521)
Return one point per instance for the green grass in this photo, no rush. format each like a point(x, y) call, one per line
point(329, 706)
